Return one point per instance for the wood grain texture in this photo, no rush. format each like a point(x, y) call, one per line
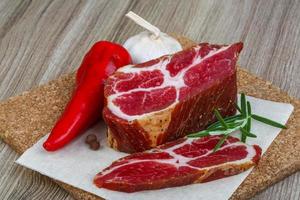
point(40, 40)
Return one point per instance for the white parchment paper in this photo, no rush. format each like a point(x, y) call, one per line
point(76, 164)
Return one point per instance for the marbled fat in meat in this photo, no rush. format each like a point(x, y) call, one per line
point(183, 89)
point(181, 162)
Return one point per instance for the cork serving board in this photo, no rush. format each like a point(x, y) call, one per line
point(24, 119)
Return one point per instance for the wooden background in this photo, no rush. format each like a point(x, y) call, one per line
point(42, 39)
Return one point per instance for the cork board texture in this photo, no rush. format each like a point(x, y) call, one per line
point(24, 119)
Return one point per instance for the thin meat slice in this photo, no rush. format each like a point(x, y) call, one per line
point(181, 162)
point(164, 99)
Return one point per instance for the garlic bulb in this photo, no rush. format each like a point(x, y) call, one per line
point(149, 44)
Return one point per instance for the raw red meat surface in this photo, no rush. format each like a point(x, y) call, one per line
point(181, 162)
point(188, 85)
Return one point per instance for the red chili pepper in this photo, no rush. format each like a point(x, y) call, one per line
point(86, 104)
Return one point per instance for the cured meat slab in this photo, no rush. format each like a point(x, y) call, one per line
point(181, 162)
point(164, 99)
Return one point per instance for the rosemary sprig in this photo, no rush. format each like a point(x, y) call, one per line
point(241, 122)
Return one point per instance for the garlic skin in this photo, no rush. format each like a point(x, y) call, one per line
point(146, 46)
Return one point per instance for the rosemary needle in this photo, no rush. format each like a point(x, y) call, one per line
point(268, 121)
point(221, 141)
point(243, 105)
point(220, 118)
